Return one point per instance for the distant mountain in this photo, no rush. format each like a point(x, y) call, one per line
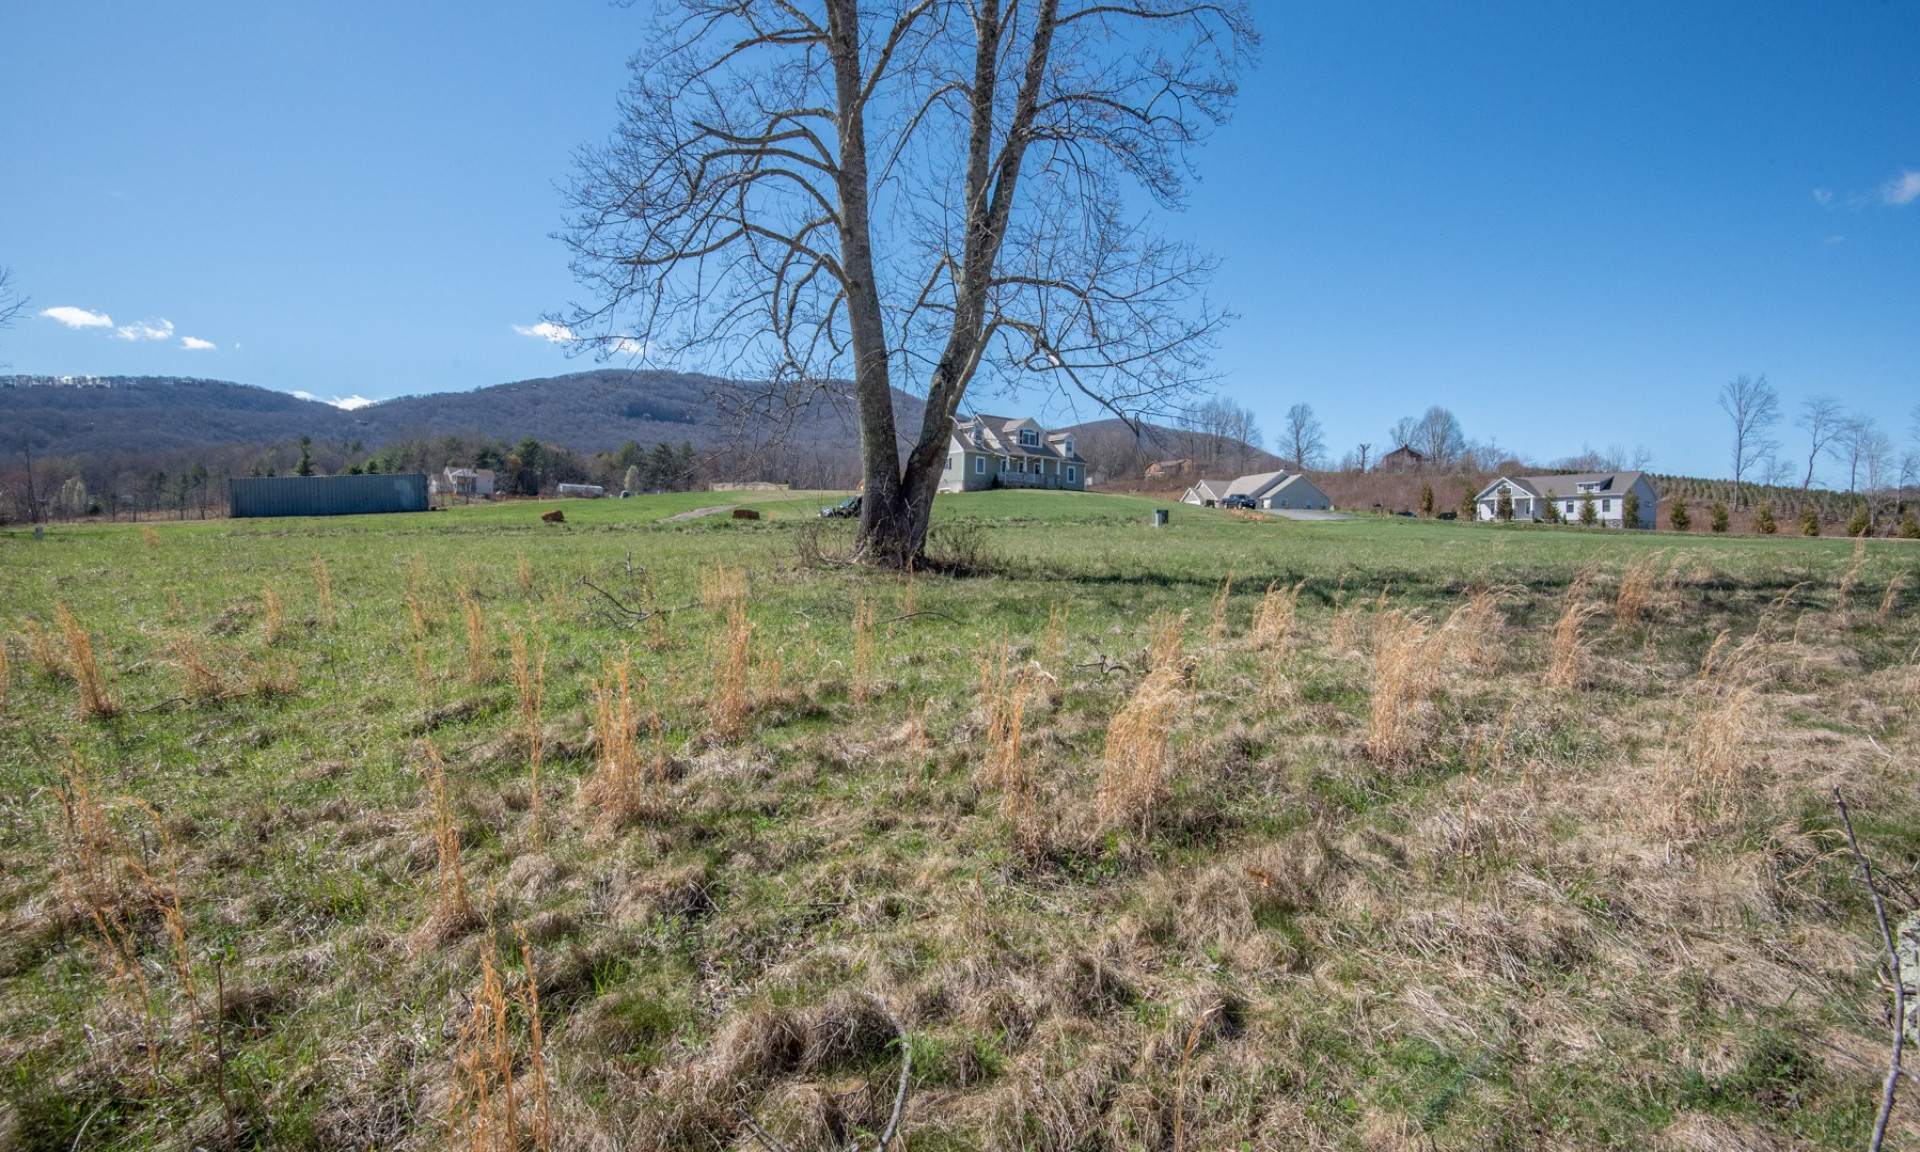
point(112, 416)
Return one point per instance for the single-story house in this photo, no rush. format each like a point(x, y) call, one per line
point(1274, 490)
point(1010, 452)
point(1567, 492)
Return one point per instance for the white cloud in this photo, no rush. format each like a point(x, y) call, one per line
point(549, 331)
point(1822, 196)
point(195, 344)
point(627, 346)
point(350, 403)
point(1904, 189)
point(305, 395)
point(146, 330)
point(78, 317)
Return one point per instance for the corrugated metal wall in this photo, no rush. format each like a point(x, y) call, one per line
point(326, 495)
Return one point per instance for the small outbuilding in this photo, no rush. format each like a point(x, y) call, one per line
point(1279, 491)
point(326, 495)
point(581, 491)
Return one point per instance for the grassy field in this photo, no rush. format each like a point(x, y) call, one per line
point(462, 829)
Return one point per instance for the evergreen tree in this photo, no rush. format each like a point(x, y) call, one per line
point(660, 468)
point(1468, 509)
point(1909, 526)
point(1763, 519)
point(1717, 516)
point(1589, 512)
point(1503, 507)
point(1552, 504)
point(1630, 510)
point(373, 466)
point(305, 467)
point(1809, 521)
point(1677, 516)
point(1426, 499)
point(684, 467)
point(1861, 524)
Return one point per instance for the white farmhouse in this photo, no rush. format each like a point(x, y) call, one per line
point(1275, 490)
point(1567, 492)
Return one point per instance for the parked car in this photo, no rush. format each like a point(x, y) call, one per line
point(1238, 500)
point(845, 510)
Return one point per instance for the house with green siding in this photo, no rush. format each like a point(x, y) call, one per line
point(1010, 452)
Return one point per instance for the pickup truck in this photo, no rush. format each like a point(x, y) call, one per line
point(1239, 500)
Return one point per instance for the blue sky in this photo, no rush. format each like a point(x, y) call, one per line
point(1568, 223)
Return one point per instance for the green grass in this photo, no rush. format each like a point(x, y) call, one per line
point(1580, 978)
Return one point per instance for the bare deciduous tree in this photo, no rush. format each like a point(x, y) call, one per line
point(1753, 406)
point(1820, 418)
point(1305, 441)
point(913, 193)
point(1438, 436)
point(11, 302)
point(1848, 447)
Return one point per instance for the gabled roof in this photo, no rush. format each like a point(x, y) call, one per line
point(1001, 436)
point(1566, 485)
point(1215, 490)
point(1258, 484)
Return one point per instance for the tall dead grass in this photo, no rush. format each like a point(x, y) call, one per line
point(149, 536)
point(1133, 770)
point(1475, 628)
point(1408, 655)
point(1706, 778)
point(452, 907)
point(1638, 589)
point(721, 587)
point(1003, 699)
point(1843, 596)
point(41, 646)
point(530, 688)
point(730, 658)
point(276, 619)
point(1890, 598)
point(1567, 652)
point(492, 1111)
point(1276, 618)
point(1053, 644)
point(1217, 635)
point(323, 588)
point(96, 699)
point(199, 679)
point(6, 674)
point(863, 630)
point(479, 651)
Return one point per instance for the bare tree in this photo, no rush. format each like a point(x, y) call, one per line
point(1439, 438)
point(1820, 418)
point(1304, 440)
point(1753, 406)
point(11, 302)
point(922, 192)
point(1403, 433)
point(1777, 472)
point(1881, 466)
point(1848, 447)
point(1363, 456)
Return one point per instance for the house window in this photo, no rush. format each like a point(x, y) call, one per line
point(1072, 473)
point(979, 465)
point(1606, 505)
point(1569, 507)
point(1067, 446)
point(1029, 438)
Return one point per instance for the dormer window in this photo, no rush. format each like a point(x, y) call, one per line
point(979, 437)
point(1029, 438)
point(1066, 446)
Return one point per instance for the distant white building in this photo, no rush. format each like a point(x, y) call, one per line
point(1272, 490)
point(1567, 493)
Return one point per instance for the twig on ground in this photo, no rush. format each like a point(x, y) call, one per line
point(1899, 984)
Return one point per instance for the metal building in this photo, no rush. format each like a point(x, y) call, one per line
point(326, 495)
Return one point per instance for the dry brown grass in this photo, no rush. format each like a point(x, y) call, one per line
point(96, 700)
point(151, 537)
point(6, 674)
point(863, 629)
point(1638, 589)
point(1166, 650)
point(1476, 628)
point(522, 572)
point(1217, 635)
point(479, 651)
point(615, 793)
point(275, 625)
point(1276, 618)
point(1053, 644)
point(730, 660)
point(1134, 765)
point(722, 587)
point(1843, 596)
point(199, 679)
point(1003, 699)
point(45, 653)
point(1706, 772)
point(1408, 652)
point(453, 910)
point(491, 1110)
point(1884, 616)
point(530, 687)
point(1567, 651)
point(323, 587)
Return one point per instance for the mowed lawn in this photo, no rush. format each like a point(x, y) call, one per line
point(1238, 832)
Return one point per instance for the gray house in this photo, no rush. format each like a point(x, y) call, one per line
point(1009, 452)
point(1274, 490)
point(1568, 492)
